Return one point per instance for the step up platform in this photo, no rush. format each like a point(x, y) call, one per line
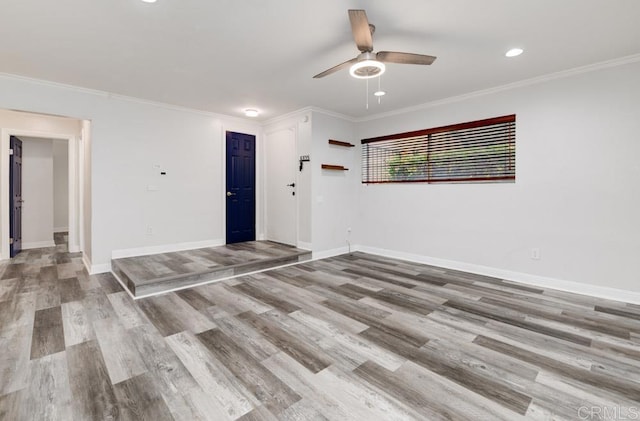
point(152, 274)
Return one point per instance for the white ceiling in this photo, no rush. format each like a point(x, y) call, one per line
point(227, 55)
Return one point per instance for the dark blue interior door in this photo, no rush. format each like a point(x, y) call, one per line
point(15, 196)
point(241, 181)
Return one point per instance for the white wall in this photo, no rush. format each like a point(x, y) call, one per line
point(334, 201)
point(60, 186)
point(576, 195)
point(37, 193)
point(127, 139)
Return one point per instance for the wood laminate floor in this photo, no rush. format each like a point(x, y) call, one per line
point(348, 338)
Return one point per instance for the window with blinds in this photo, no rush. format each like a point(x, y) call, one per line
point(474, 152)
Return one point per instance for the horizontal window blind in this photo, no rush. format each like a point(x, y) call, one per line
point(477, 151)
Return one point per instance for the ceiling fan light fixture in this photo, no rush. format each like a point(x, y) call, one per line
point(367, 69)
point(514, 52)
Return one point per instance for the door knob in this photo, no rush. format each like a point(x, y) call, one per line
point(229, 194)
point(291, 185)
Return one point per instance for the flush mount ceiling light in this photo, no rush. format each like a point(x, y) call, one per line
point(367, 68)
point(251, 112)
point(149, 1)
point(379, 93)
point(514, 52)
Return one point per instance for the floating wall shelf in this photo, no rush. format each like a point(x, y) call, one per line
point(341, 143)
point(334, 167)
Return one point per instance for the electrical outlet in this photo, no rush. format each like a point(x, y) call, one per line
point(535, 253)
point(149, 230)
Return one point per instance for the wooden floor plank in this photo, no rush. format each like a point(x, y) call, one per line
point(48, 395)
point(306, 354)
point(452, 397)
point(620, 386)
point(183, 395)
point(48, 334)
point(388, 382)
point(270, 299)
point(139, 400)
point(70, 290)
point(493, 389)
point(303, 382)
point(120, 356)
point(93, 395)
point(270, 391)
point(76, 324)
point(128, 313)
point(11, 405)
point(232, 399)
point(170, 315)
point(15, 346)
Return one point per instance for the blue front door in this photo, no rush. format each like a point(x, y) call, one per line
point(240, 194)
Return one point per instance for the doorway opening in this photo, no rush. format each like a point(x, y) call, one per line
point(39, 192)
point(34, 215)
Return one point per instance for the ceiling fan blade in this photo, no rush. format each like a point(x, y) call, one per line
point(335, 68)
point(404, 58)
point(361, 30)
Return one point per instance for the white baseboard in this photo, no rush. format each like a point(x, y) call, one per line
point(87, 262)
point(61, 229)
point(38, 245)
point(165, 248)
point(304, 246)
point(330, 253)
point(520, 277)
point(103, 268)
point(95, 269)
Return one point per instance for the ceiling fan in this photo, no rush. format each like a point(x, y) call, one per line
point(369, 64)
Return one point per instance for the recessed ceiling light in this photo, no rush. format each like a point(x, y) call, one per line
point(514, 52)
point(379, 93)
point(250, 112)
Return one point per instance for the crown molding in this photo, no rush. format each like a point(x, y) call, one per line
point(292, 114)
point(109, 95)
point(333, 114)
point(302, 111)
point(519, 84)
point(54, 84)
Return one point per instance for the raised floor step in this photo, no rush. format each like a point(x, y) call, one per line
point(145, 275)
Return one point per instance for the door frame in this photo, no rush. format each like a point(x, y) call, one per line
point(76, 230)
point(259, 187)
point(293, 128)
